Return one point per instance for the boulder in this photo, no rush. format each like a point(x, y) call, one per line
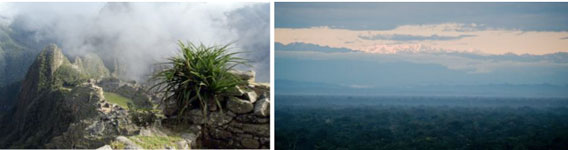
point(261, 86)
point(128, 143)
point(106, 147)
point(239, 106)
point(262, 107)
point(251, 96)
point(191, 138)
point(182, 145)
point(262, 89)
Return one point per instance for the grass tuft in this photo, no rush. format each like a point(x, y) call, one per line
point(117, 145)
point(155, 142)
point(200, 74)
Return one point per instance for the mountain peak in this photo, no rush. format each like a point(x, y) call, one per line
point(92, 66)
point(42, 69)
point(52, 56)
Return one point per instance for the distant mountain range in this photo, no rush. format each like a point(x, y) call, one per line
point(309, 47)
point(290, 87)
point(559, 57)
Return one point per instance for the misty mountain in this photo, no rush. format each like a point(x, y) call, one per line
point(14, 62)
point(130, 38)
point(558, 57)
point(60, 105)
point(134, 36)
point(14, 57)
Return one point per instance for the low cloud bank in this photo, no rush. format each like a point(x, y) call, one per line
point(138, 35)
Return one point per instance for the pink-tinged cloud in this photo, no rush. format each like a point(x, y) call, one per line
point(440, 37)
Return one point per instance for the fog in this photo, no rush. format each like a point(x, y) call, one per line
point(139, 35)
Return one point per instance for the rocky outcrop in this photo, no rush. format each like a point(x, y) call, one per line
point(79, 118)
point(262, 108)
point(240, 106)
point(98, 122)
point(245, 123)
point(58, 108)
point(40, 74)
point(128, 143)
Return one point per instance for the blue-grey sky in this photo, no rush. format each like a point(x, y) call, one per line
point(381, 16)
point(481, 49)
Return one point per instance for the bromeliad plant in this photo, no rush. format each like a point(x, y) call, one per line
point(200, 73)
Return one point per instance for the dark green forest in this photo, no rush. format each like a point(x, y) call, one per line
point(343, 122)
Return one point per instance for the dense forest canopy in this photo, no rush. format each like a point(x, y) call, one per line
point(345, 122)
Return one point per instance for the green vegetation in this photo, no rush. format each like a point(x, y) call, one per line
point(67, 76)
point(199, 73)
point(155, 142)
point(317, 122)
point(117, 99)
point(117, 145)
point(44, 64)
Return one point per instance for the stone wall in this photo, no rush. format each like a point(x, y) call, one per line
point(245, 125)
point(244, 121)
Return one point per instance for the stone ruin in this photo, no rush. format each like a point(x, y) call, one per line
point(244, 121)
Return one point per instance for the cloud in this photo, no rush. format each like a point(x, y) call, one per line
point(357, 86)
point(432, 37)
point(403, 37)
point(252, 24)
point(141, 34)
